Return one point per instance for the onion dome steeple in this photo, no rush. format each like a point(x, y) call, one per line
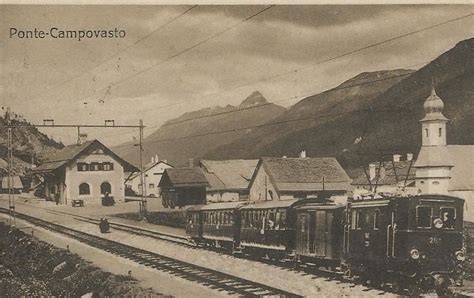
point(433, 107)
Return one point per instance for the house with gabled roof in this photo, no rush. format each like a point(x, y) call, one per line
point(153, 171)
point(228, 179)
point(297, 178)
point(86, 171)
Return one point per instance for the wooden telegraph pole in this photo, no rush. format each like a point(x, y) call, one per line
point(11, 191)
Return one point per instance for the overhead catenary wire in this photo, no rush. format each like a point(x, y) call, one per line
point(181, 52)
point(116, 54)
point(108, 86)
point(287, 99)
point(325, 60)
point(274, 123)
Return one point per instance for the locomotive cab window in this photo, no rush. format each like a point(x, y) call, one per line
point(356, 224)
point(448, 215)
point(424, 216)
point(377, 220)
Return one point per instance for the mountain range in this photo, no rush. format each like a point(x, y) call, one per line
point(370, 116)
point(194, 134)
point(365, 118)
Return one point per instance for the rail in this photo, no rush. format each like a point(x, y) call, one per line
point(195, 273)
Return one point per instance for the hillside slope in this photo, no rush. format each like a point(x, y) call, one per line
point(28, 143)
point(309, 113)
point(193, 134)
point(392, 126)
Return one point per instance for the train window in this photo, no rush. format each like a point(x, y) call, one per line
point(448, 215)
point(277, 219)
point(283, 219)
point(423, 216)
point(271, 220)
point(367, 219)
point(355, 225)
point(377, 220)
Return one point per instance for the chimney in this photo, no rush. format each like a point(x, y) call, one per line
point(372, 171)
point(156, 158)
point(409, 156)
point(303, 154)
point(82, 138)
point(396, 157)
point(152, 159)
point(191, 162)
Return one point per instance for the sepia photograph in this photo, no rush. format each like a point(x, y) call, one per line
point(203, 149)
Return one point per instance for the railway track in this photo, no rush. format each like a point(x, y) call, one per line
point(184, 241)
point(211, 278)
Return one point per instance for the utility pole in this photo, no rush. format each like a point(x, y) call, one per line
point(11, 191)
point(143, 207)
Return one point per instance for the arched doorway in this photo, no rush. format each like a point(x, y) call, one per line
point(84, 189)
point(105, 187)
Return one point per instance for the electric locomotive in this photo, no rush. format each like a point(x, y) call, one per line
point(415, 241)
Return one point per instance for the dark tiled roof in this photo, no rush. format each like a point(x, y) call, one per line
point(69, 153)
point(62, 157)
point(232, 174)
point(306, 174)
point(186, 177)
point(388, 176)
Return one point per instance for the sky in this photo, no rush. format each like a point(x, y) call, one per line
point(150, 74)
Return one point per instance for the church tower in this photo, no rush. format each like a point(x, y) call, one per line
point(434, 163)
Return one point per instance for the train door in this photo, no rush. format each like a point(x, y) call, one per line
point(302, 233)
point(322, 227)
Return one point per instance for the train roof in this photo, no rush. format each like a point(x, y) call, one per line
point(320, 206)
point(284, 203)
point(222, 206)
point(388, 197)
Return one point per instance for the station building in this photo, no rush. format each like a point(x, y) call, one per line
point(85, 171)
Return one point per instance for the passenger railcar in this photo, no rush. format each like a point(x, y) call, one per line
point(268, 228)
point(319, 233)
point(215, 224)
point(415, 241)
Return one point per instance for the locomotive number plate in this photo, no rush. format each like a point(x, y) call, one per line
point(434, 240)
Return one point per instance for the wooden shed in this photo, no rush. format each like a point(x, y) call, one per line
point(183, 186)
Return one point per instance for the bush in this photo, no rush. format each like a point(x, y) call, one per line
point(175, 219)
